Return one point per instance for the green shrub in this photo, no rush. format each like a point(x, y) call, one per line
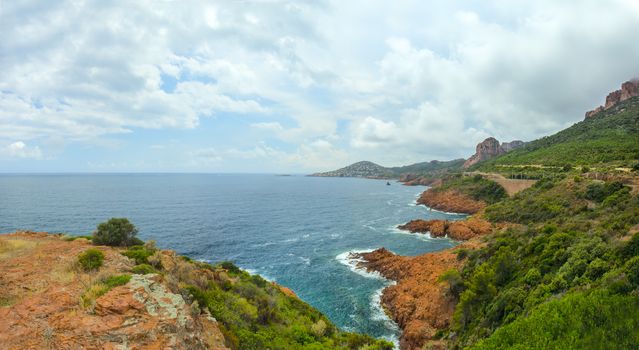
point(255, 314)
point(454, 280)
point(143, 269)
point(138, 253)
point(91, 259)
point(599, 191)
point(631, 270)
point(116, 232)
point(118, 280)
point(579, 321)
point(230, 267)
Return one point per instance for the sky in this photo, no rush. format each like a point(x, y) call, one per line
point(278, 86)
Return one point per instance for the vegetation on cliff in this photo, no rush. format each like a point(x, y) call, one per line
point(256, 314)
point(572, 242)
point(607, 140)
point(475, 187)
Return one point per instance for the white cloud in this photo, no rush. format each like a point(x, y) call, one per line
point(401, 82)
point(20, 149)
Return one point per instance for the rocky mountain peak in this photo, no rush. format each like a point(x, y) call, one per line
point(628, 90)
point(491, 148)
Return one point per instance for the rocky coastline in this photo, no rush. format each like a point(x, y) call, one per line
point(461, 230)
point(450, 201)
point(418, 302)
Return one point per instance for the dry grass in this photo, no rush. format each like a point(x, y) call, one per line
point(12, 247)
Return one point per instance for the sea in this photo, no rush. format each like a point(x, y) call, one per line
point(295, 230)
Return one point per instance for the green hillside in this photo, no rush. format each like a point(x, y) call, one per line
point(573, 255)
point(371, 170)
point(609, 139)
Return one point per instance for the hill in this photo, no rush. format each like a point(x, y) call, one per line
point(606, 140)
point(371, 170)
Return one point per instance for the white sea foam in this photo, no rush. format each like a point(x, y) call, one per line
point(255, 272)
point(445, 212)
point(351, 262)
point(377, 313)
point(306, 260)
point(421, 236)
point(259, 245)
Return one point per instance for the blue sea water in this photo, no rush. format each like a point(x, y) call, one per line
point(295, 230)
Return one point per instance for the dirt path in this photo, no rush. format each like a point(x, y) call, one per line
point(512, 186)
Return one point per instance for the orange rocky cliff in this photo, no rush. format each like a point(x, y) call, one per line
point(628, 90)
point(458, 230)
point(418, 302)
point(450, 201)
point(41, 308)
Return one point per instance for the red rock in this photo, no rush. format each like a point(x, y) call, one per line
point(459, 230)
point(450, 201)
point(418, 302)
point(628, 90)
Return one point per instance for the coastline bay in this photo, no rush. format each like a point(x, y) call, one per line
point(294, 230)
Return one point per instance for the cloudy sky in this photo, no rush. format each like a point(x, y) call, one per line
point(294, 86)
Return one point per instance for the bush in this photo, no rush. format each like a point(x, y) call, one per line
point(116, 232)
point(91, 259)
point(143, 269)
point(454, 280)
point(138, 253)
point(118, 280)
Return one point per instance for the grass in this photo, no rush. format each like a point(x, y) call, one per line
point(13, 247)
point(101, 287)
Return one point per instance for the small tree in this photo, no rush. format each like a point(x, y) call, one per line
point(91, 259)
point(116, 232)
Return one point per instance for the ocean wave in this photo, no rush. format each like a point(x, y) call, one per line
point(351, 262)
point(306, 260)
point(421, 236)
point(377, 310)
point(445, 212)
point(264, 276)
point(260, 245)
point(378, 314)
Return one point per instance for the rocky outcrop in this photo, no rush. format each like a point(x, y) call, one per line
point(490, 148)
point(418, 302)
point(628, 90)
point(458, 230)
point(41, 292)
point(509, 146)
point(450, 201)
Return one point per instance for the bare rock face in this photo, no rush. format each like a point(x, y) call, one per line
point(459, 230)
point(418, 302)
point(509, 146)
point(142, 314)
point(490, 148)
point(628, 90)
point(450, 201)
